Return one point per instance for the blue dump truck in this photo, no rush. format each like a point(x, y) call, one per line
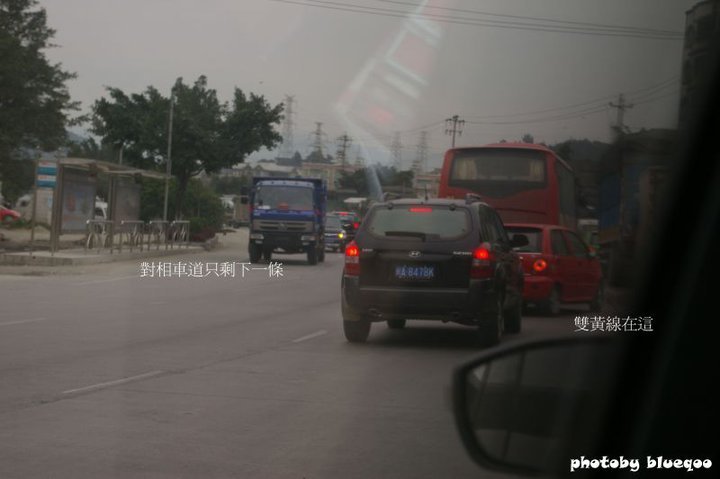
point(287, 215)
point(632, 175)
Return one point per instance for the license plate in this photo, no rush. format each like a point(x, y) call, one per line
point(414, 272)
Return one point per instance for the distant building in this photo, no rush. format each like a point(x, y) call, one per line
point(429, 182)
point(330, 172)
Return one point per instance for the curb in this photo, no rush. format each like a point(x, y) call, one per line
point(43, 258)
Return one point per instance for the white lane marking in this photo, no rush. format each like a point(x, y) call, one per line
point(310, 336)
point(114, 383)
point(98, 281)
point(23, 321)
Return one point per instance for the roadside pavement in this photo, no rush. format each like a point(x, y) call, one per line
point(72, 258)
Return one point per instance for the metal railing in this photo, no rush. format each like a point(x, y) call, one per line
point(179, 234)
point(105, 235)
point(99, 235)
point(157, 232)
point(131, 233)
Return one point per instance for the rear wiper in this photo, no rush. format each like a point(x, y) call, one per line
point(412, 234)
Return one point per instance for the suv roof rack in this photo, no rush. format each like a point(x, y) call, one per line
point(472, 198)
point(389, 196)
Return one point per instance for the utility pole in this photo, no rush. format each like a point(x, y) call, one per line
point(396, 149)
point(344, 142)
point(454, 126)
point(420, 163)
point(288, 144)
point(621, 107)
point(168, 168)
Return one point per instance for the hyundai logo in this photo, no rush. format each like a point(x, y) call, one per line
point(414, 254)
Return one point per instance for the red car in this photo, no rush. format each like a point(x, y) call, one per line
point(7, 215)
point(559, 267)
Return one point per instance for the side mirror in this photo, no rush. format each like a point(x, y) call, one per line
point(529, 408)
point(519, 240)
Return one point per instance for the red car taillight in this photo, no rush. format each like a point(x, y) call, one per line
point(539, 265)
point(483, 263)
point(352, 259)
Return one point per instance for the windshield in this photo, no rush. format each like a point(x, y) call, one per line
point(180, 335)
point(424, 222)
point(333, 222)
point(284, 198)
point(502, 165)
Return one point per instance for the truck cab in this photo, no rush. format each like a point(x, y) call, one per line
point(287, 216)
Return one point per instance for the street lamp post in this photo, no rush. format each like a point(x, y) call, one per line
point(168, 169)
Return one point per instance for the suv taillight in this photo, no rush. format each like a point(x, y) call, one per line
point(483, 262)
point(352, 259)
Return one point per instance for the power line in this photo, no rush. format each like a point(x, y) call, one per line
point(596, 101)
point(540, 19)
point(352, 8)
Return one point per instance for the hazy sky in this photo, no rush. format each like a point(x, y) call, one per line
point(383, 71)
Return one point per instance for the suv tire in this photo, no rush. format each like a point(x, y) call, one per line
point(513, 319)
point(355, 326)
point(491, 328)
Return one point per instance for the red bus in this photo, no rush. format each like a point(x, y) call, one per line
point(524, 182)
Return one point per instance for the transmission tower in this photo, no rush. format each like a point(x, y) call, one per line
point(318, 141)
point(396, 149)
point(288, 145)
point(344, 142)
point(420, 163)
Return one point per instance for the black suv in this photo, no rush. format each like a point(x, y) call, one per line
point(448, 260)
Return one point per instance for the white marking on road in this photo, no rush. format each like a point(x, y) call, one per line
point(23, 321)
point(114, 383)
point(98, 281)
point(322, 332)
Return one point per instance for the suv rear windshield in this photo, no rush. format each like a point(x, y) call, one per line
point(534, 236)
point(425, 222)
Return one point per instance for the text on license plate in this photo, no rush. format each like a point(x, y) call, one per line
point(414, 272)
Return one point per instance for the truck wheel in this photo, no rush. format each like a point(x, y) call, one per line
point(312, 256)
point(254, 252)
point(267, 254)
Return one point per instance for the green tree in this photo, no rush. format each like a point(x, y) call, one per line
point(207, 135)
point(34, 100)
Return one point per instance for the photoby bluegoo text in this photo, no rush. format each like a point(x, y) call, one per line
point(634, 465)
